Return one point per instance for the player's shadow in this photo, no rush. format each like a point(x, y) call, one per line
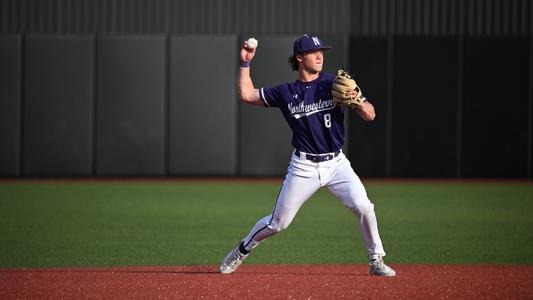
point(244, 271)
point(193, 271)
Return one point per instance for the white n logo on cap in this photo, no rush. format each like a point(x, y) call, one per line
point(316, 41)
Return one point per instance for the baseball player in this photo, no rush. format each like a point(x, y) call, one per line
point(316, 118)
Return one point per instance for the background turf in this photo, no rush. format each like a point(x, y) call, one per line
point(158, 223)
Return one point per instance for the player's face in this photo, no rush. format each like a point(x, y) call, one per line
point(313, 61)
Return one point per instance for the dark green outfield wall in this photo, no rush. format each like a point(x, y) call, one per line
point(143, 105)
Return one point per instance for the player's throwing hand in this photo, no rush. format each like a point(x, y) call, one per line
point(248, 49)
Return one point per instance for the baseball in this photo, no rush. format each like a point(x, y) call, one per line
point(252, 43)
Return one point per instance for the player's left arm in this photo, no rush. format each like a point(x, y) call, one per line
point(366, 111)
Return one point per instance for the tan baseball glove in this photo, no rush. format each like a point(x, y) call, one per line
point(342, 86)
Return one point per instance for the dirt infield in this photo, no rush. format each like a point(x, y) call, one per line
point(270, 281)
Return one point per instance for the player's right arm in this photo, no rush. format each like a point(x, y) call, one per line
point(246, 91)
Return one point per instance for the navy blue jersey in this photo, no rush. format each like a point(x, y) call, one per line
point(317, 123)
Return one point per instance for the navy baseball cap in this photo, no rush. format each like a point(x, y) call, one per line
point(308, 43)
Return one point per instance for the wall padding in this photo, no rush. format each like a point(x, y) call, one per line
point(58, 105)
point(131, 105)
point(10, 90)
point(203, 105)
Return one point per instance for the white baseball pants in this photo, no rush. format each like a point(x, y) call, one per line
point(303, 179)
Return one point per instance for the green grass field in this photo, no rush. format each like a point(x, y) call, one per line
point(182, 223)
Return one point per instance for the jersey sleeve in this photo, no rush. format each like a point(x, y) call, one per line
point(270, 96)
